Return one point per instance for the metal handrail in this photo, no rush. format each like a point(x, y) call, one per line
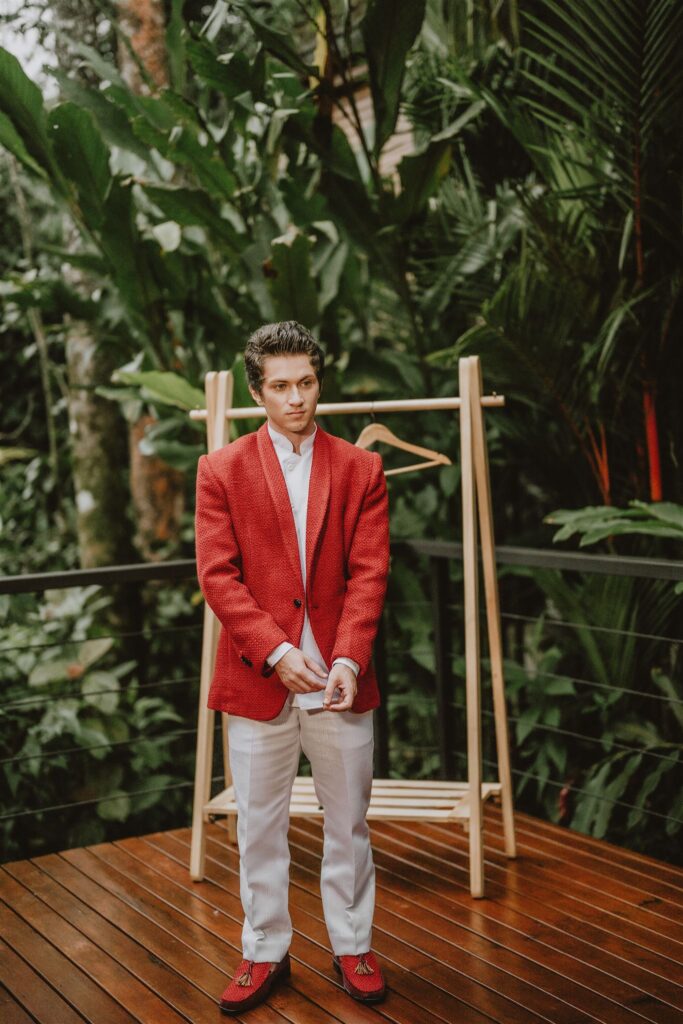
point(532, 558)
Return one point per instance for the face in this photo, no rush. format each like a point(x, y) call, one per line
point(289, 393)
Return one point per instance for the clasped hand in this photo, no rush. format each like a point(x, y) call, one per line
point(302, 674)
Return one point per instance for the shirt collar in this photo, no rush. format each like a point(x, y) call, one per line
point(283, 446)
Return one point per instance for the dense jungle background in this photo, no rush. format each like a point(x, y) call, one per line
point(415, 182)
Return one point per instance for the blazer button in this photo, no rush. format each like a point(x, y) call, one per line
point(297, 602)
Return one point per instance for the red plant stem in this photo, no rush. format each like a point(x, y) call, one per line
point(652, 440)
point(600, 463)
point(649, 404)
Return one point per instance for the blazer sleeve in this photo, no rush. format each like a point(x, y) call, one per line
point(253, 631)
point(368, 569)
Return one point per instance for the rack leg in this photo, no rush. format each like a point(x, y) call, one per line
point(204, 753)
point(470, 573)
point(488, 557)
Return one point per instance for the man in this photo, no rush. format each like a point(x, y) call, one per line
point(292, 540)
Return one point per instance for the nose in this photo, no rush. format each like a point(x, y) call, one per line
point(295, 397)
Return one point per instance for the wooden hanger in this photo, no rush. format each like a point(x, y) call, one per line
point(378, 432)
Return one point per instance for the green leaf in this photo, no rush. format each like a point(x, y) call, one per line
point(232, 74)
point(46, 672)
point(614, 791)
point(472, 112)
point(115, 807)
point(102, 68)
point(156, 784)
point(101, 690)
point(664, 510)
point(164, 387)
point(559, 687)
point(16, 454)
point(277, 43)
point(666, 685)
point(328, 141)
point(420, 177)
point(168, 234)
point(121, 246)
point(112, 122)
point(181, 145)
point(526, 722)
point(192, 206)
point(22, 104)
point(292, 286)
point(13, 143)
point(241, 397)
point(389, 30)
point(175, 46)
point(91, 651)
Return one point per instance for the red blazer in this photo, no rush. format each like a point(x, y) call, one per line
point(248, 564)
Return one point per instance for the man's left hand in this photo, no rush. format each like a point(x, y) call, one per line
point(343, 678)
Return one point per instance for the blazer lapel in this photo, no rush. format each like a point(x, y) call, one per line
point(278, 492)
point(318, 497)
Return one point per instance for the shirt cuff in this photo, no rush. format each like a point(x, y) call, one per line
point(353, 665)
point(278, 653)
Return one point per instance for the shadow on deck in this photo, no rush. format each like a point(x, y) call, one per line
point(574, 931)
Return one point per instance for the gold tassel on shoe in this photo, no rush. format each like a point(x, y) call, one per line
point(363, 967)
point(244, 979)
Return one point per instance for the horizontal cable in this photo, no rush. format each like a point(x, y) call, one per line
point(94, 693)
point(585, 792)
point(594, 629)
point(610, 686)
point(147, 633)
point(548, 675)
point(560, 785)
point(569, 623)
point(545, 727)
point(102, 799)
point(50, 754)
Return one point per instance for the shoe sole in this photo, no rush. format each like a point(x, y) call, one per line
point(258, 997)
point(372, 997)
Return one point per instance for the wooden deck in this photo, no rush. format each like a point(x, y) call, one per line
point(574, 931)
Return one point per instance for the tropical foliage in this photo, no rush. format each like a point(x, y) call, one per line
point(536, 221)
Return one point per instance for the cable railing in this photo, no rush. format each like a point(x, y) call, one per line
point(393, 662)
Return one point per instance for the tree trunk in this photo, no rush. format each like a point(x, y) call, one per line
point(143, 24)
point(98, 444)
point(157, 489)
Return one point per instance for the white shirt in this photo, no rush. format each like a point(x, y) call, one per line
point(297, 473)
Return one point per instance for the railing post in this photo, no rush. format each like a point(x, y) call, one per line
point(382, 712)
point(438, 574)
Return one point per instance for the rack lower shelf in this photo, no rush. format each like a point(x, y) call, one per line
point(408, 800)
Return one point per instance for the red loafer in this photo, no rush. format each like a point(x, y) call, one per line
point(362, 977)
point(252, 983)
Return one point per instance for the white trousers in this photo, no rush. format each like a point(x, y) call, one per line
point(264, 759)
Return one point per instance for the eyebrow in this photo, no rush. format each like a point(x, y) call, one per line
point(281, 380)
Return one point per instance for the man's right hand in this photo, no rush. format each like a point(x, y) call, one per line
point(299, 673)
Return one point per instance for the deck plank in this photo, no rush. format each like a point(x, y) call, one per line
point(575, 931)
point(461, 932)
point(666, 885)
point(53, 954)
point(519, 879)
point(577, 841)
point(25, 996)
point(310, 942)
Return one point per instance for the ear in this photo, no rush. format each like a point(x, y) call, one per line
point(255, 395)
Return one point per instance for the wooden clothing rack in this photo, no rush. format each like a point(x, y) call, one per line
point(407, 800)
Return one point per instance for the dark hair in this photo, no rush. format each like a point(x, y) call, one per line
point(286, 338)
